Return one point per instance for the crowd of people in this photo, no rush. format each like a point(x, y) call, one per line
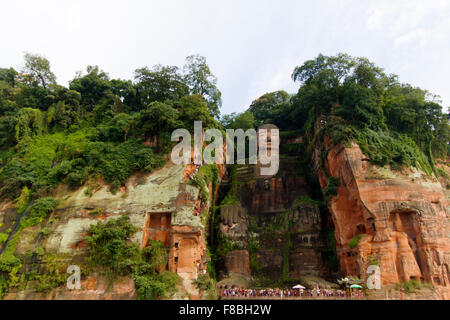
point(238, 293)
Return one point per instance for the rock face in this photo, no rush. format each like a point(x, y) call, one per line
point(268, 221)
point(234, 223)
point(92, 288)
point(400, 218)
point(396, 220)
point(163, 206)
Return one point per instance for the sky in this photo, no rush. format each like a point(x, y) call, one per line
point(251, 46)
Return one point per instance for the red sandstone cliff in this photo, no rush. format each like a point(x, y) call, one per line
point(402, 218)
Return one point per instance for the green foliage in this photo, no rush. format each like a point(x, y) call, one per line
point(54, 275)
point(203, 282)
point(303, 200)
point(39, 211)
point(150, 287)
point(23, 200)
point(269, 108)
point(159, 83)
point(10, 264)
point(354, 241)
point(361, 107)
point(158, 117)
point(209, 172)
point(72, 159)
point(253, 247)
point(110, 250)
point(442, 173)
point(122, 161)
point(37, 71)
point(230, 198)
point(8, 261)
point(412, 285)
point(244, 121)
point(331, 188)
point(287, 251)
point(355, 100)
point(45, 232)
point(95, 212)
point(8, 75)
point(3, 238)
point(3, 285)
point(98, 128)
point(207, 285)
point(200, 182)
point(50, 134)
point(30, 122)
point(372, 261)
point(206, 174)
point(330, 250)
point(200, 80)
point(91, 86)
point(384, 148)
point(108, 243)
point(222, 247)
point(195, 107)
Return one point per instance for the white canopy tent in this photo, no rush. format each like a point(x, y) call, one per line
point(298, 287)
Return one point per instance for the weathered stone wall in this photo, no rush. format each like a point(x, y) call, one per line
point(402, 219)
point(268, 202)
point(161, 205)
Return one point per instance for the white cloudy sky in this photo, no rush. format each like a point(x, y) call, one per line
point(251, 46)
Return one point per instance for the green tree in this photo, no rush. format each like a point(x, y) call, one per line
point(360, 107)
point(192, 108)
point(440, 143)
point(269, 107)
point(325, 71)
point(157, 118)
point(201, 81)
point(395, 123)
point(126, 92)
point(37, 71)
point(8, 75)
point(244, 120)
point(160, 83)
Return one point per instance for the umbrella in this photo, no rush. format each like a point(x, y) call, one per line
point(355, 286)
point(298, 287)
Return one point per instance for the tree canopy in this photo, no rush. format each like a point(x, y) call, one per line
point(98, 126)
point(394, 123)
point(37, 71)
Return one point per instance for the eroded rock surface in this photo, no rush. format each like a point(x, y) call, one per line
point(162, 205)
point(284, 234)
point(400, 218)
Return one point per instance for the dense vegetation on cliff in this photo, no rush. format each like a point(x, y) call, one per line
point(95, 127)
point(394, 123)
point(103, 129)
point(95, 130)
